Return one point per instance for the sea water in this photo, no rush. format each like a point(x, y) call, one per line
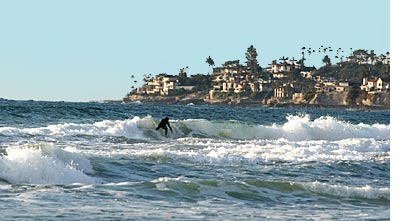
point(94, 161)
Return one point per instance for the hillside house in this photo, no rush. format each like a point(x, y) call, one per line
point(230, 67)
point(284, 91)
point(306, 74)
point(260, 86)
point(374, 85)
point(281, 70)
point(343, 86)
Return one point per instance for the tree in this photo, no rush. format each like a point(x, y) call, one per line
point(182, 75)
point(326, 60)
point(210, 62)
point(283, 59)
point(251, 56)
point(371, 56)
point(360, 55)
point(201, 81)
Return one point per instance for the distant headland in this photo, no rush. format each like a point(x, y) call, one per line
point(360, 80)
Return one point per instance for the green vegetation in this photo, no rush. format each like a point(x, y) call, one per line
point(200, 81)
point(252, 63)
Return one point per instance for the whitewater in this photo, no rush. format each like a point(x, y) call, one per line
point(96, 161)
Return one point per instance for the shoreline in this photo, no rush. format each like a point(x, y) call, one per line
point(252, 103)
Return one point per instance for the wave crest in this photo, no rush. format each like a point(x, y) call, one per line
point(297, 128)
point(44, 164)
point(263, 189)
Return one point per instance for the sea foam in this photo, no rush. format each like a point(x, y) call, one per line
point(44, 164)
point(297, 128)
point(252, 152)
point(366, 192)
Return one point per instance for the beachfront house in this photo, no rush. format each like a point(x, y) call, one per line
point(285, 91)
point(162, 84)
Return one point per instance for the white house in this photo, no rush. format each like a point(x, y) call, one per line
point(343, 86)
point(374, 85)
point(161, 84)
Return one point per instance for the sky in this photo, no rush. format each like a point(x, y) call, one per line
point(87, 50)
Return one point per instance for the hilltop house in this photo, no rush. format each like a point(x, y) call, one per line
point(281, 70)
point(230, 67)
point(374, 85)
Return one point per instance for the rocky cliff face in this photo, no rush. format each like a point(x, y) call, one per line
point(330, 99)
point(340, 98)
point(382, 99)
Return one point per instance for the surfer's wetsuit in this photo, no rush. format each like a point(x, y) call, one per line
point(163, 124)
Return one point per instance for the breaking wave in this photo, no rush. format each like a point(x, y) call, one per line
point(256, 152)
point(44, 164)
point(297, 128)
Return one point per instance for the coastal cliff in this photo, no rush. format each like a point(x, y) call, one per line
point(379, 100)
point(330, 100)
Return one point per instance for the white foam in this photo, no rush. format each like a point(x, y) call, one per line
point(231, 152)
point(366, 192)
point(44, 164)
point(297, 128)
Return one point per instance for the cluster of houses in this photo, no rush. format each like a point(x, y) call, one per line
point(232, 77)
point(162, 84)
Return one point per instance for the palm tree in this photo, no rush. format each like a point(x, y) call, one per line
point(371, 56)
point(292, 61)
point(302, 55)
point(283, 59)
point(182, 74)
point(210, 62)
point(302, 50)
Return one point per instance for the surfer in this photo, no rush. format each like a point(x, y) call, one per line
point(163, 124)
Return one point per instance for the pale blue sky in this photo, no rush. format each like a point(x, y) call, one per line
point(82, 50)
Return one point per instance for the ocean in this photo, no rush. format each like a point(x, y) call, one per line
point(100, 161)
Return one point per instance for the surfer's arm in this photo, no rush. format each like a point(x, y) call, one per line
point(170, 128)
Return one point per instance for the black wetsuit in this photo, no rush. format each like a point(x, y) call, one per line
point(163, 124)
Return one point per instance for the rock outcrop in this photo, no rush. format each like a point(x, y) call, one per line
point(380, 100)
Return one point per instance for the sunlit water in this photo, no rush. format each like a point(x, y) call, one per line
point(90, 161)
